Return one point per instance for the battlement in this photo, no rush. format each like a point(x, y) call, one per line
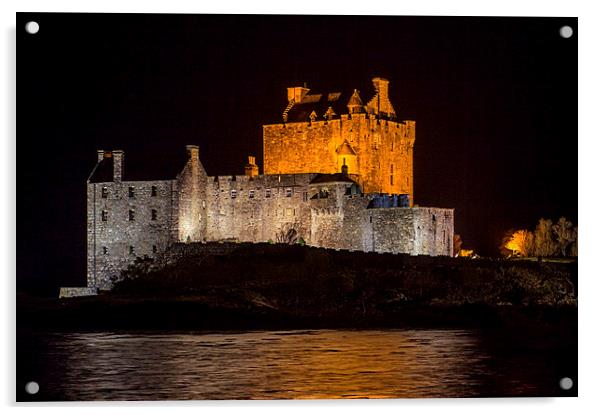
point(337, 174)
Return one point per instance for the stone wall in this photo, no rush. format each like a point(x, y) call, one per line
point(67, 292)
point(256, 209)
point(415, 231)
point(191, 199)
point(126, 220)
point(130, 219)
point(384, 150)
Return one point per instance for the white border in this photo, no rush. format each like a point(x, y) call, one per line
point(590, 96)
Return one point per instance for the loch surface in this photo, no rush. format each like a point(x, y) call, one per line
point(301, 364)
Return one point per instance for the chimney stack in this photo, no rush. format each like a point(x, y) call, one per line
point(380, 105)
point(296, 93)
point(101, 155)
point(381, 85)
point(193, 151)
point(117, 165)
point(251, 169)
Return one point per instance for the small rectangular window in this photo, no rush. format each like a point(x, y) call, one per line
point(251, 194)
point(104, 215)
point(105, 250)
point(305, 197)
point(268, 193)
point(233, 193)
point(105, 192)
point(154, 214)
point(131, 215)
point(131, 250)
point(289, 192)
point(153, 191)
point(154, 249)
point(131, 192)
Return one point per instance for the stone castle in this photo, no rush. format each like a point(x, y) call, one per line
point(337, 174)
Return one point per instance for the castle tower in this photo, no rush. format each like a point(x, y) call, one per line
point(321, 132)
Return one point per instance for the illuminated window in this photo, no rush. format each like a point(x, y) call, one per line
point(268, 193)
point(153, 191)
point(131, 250)
point(233, 193)
point(131, 214)
point(251, 194)
point(131, 192)
point(103, 215)
point(289, 192)
point(154, 214)
point(105, 250)
point(105, 192)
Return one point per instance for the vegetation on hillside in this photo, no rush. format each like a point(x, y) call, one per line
point(309, 281)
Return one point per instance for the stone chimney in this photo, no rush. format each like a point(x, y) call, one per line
point(118, 156)
point(101, 155)
point(381, 86)
point(296, 93)
point(380, 103)
point(251, 169)
point(193, 151)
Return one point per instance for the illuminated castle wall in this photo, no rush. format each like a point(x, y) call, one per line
point(341, 183)
point(332, 129)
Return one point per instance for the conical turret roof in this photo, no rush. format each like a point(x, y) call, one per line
point(355, 103)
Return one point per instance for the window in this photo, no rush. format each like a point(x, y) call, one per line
point(268, 193)
point(434, 218)
point(105, 250)
point(153, 191)
point(391, 175)
point(233, 193)
point(154, 249)
point(251, 194)
point(131, 214)
point(289, 192)
point(131, 192)
point(105, 192)
point(131, 250)
point(154, 214)
point(104, 215)
point(305, 197)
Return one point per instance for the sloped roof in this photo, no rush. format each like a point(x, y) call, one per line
point(332, 178)
point(355, 100)
point(320, 103)
point(346, 149)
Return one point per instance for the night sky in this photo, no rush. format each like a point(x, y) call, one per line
point(494, 99)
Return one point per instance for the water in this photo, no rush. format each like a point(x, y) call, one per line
point(320, 364)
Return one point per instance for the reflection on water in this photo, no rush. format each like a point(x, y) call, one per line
point(277, 365)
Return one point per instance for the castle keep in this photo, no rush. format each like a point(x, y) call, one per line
point(337, 174)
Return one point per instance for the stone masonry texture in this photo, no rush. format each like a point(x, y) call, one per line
point(321, 178)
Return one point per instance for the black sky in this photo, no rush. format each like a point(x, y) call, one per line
point(495, 101)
